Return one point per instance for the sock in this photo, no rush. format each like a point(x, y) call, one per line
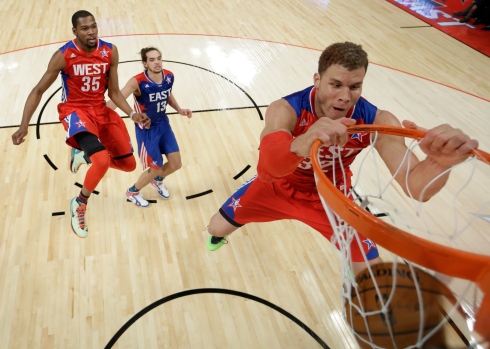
point(159, 178)
point(133, 189)
point(82, 199)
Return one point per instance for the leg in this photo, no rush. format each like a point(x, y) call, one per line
point(152, 143)
point(151, 175)
point(115, 137)
point(167, 144)
point(125, 163)
point(133, 194)
point(361, 252)
point(254, 201)
point(219, 228)
point(465, 11)
point(99, 157)
point(468, 15)
point(154, 176)
point(173, 164)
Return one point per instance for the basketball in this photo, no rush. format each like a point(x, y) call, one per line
point(407, 310)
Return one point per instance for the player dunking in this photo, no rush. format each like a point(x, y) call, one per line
point(88, 68)
point(152, 91)
point(285, 187)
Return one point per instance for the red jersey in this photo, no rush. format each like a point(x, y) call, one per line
point(85, 77)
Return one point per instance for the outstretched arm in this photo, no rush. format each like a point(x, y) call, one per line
point(444, 146)
point(55, 65)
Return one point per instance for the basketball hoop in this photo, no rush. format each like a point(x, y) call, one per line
point(413, 238)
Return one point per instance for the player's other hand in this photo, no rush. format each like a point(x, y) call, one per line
point(186, 112)
point(445, 144)
point(18, 136)
point(142, 119)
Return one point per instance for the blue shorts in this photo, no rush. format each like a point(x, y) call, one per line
point(153, 142)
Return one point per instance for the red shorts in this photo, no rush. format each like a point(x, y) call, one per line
point(101, 121)
point(257, 201)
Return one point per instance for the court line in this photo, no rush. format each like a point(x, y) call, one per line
point(209, 191)
point(164, 300)
point(252, 39)
point(238, 175)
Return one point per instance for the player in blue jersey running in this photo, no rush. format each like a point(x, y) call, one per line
point(152, 91)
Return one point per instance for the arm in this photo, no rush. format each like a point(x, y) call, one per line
point(173, 103)
point(117, 97)
point(276, 158)
point(130, 88)
point(443, 145)
point(55, 65)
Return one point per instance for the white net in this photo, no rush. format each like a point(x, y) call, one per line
point(403, 303)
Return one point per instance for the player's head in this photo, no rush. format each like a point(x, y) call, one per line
point(85, 29)
point(347, 54)
point(341, 70)
point(151, 58)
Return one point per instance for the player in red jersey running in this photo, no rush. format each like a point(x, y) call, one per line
point(285, 186)
point(88, 68)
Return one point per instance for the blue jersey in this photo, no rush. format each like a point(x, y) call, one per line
point(303, 103)
point(159, 138)
point(154, 97)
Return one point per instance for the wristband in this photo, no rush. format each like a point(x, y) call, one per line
point(131, 114)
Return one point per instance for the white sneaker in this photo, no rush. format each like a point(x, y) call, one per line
point(136, 198)
point(160, 187)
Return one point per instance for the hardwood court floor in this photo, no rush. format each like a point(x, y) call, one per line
point(58, 291)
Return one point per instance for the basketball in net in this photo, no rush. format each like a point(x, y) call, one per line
point(392, 303)
point(434, 283)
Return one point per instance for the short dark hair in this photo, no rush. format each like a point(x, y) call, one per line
point(349, 55)
point(145, 50)
point(79, 14)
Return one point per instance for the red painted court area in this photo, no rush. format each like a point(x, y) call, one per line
point(439, 14)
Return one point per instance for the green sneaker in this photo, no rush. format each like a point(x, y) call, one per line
point(215, 242)
point(77, 160)
point(78, 225)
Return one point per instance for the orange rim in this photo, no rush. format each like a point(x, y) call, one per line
point(446, 260)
